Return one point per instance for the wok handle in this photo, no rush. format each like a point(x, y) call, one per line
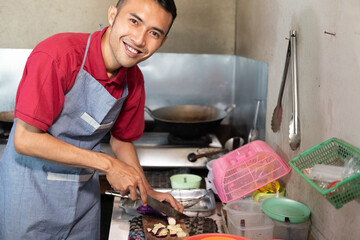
point(149, 111)
point(229, 109)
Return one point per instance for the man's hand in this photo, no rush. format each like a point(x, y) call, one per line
point(126, 179)
point(168, 198)
point(125, 152)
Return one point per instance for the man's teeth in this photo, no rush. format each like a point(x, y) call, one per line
point(131, 49)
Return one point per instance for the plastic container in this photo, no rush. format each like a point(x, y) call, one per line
point(244, 209)
point(327, 173)
point(291, 231)
point(185, 181)
point(263, 231)
point(245, 218)
point(246, 169)
point(331, 152)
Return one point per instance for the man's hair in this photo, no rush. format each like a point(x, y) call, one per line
point(168, 5)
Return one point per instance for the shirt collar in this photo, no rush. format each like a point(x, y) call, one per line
point(94, 63)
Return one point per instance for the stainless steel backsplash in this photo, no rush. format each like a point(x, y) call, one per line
point(217, 80)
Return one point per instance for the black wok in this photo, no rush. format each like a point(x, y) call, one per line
point(189, 121)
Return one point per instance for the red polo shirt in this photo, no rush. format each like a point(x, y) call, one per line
point(51, 70)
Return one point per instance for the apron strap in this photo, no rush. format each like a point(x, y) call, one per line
point(86, 51)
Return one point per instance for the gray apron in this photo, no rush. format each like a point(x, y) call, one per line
point(44, 200)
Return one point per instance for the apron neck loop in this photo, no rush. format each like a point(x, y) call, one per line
point(86, 51)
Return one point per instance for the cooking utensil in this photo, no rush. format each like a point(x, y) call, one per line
point(204, 208)
point(191, 202)
point(230, 145)
point(234, 143)
point(294, 127)
point(160, 206)
point(192, 157)
point(277, 114)
point(189, 121)
point(254, 133)
point(165, 208)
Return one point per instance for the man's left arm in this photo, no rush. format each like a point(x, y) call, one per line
point(126, 152)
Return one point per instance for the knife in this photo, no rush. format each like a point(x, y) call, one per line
point(160, 206)
point(165, 208)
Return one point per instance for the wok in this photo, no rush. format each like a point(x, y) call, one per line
point(189, 121)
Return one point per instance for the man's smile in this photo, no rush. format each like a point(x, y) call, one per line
point(131, 49)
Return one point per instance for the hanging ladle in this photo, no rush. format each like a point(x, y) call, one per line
point(230, 145)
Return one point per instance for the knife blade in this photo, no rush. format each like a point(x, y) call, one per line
point(165, 209)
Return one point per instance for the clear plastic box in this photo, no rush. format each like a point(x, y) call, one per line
point(245, 218)
point(246, 169)
point(291, 231)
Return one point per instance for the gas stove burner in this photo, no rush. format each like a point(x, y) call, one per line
point(202, 141)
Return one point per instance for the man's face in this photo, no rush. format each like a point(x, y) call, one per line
point(137, 30)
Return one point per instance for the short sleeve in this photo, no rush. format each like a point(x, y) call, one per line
point(40, 94)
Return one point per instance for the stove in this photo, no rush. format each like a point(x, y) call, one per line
point(160, 149)
point(161, 157)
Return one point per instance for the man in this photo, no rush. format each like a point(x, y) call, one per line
point(75, 88)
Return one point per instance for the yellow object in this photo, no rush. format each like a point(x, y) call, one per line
point(259, 196)
point(272, 187)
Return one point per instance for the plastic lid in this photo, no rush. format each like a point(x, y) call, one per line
point(243, 206)
point(284, 208)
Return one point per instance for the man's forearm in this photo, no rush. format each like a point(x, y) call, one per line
point(31, 141)
point(126, 152)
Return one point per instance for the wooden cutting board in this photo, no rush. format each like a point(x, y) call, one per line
point(149, 222)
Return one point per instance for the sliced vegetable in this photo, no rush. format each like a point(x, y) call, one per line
point(162, 233)
point(157, 228)
point(171, 220)
point(160, 230)
point(148, 210)
point(181, 233)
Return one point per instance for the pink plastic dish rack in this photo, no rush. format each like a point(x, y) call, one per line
point(246, 169)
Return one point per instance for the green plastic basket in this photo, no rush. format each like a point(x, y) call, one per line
point(331, 152)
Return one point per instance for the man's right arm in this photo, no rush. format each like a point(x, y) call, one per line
point(31, 141)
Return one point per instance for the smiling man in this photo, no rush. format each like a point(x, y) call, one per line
point(76, 88)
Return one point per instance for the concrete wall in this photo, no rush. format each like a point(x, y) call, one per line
point(328, 73)
point(202, 26)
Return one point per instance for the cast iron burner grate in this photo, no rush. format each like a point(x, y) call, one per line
point(161, 178)
point(202, 141)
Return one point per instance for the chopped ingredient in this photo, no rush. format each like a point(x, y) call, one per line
point(171, 221)
point(160, 230)
point(181, 233)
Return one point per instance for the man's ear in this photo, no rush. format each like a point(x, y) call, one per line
point(112, 14)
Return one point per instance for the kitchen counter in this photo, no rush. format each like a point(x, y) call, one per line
point(119, 227)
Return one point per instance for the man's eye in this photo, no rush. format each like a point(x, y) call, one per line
point(155, 34)
point(133, 20)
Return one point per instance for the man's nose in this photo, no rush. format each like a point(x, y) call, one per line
point(139, 38)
